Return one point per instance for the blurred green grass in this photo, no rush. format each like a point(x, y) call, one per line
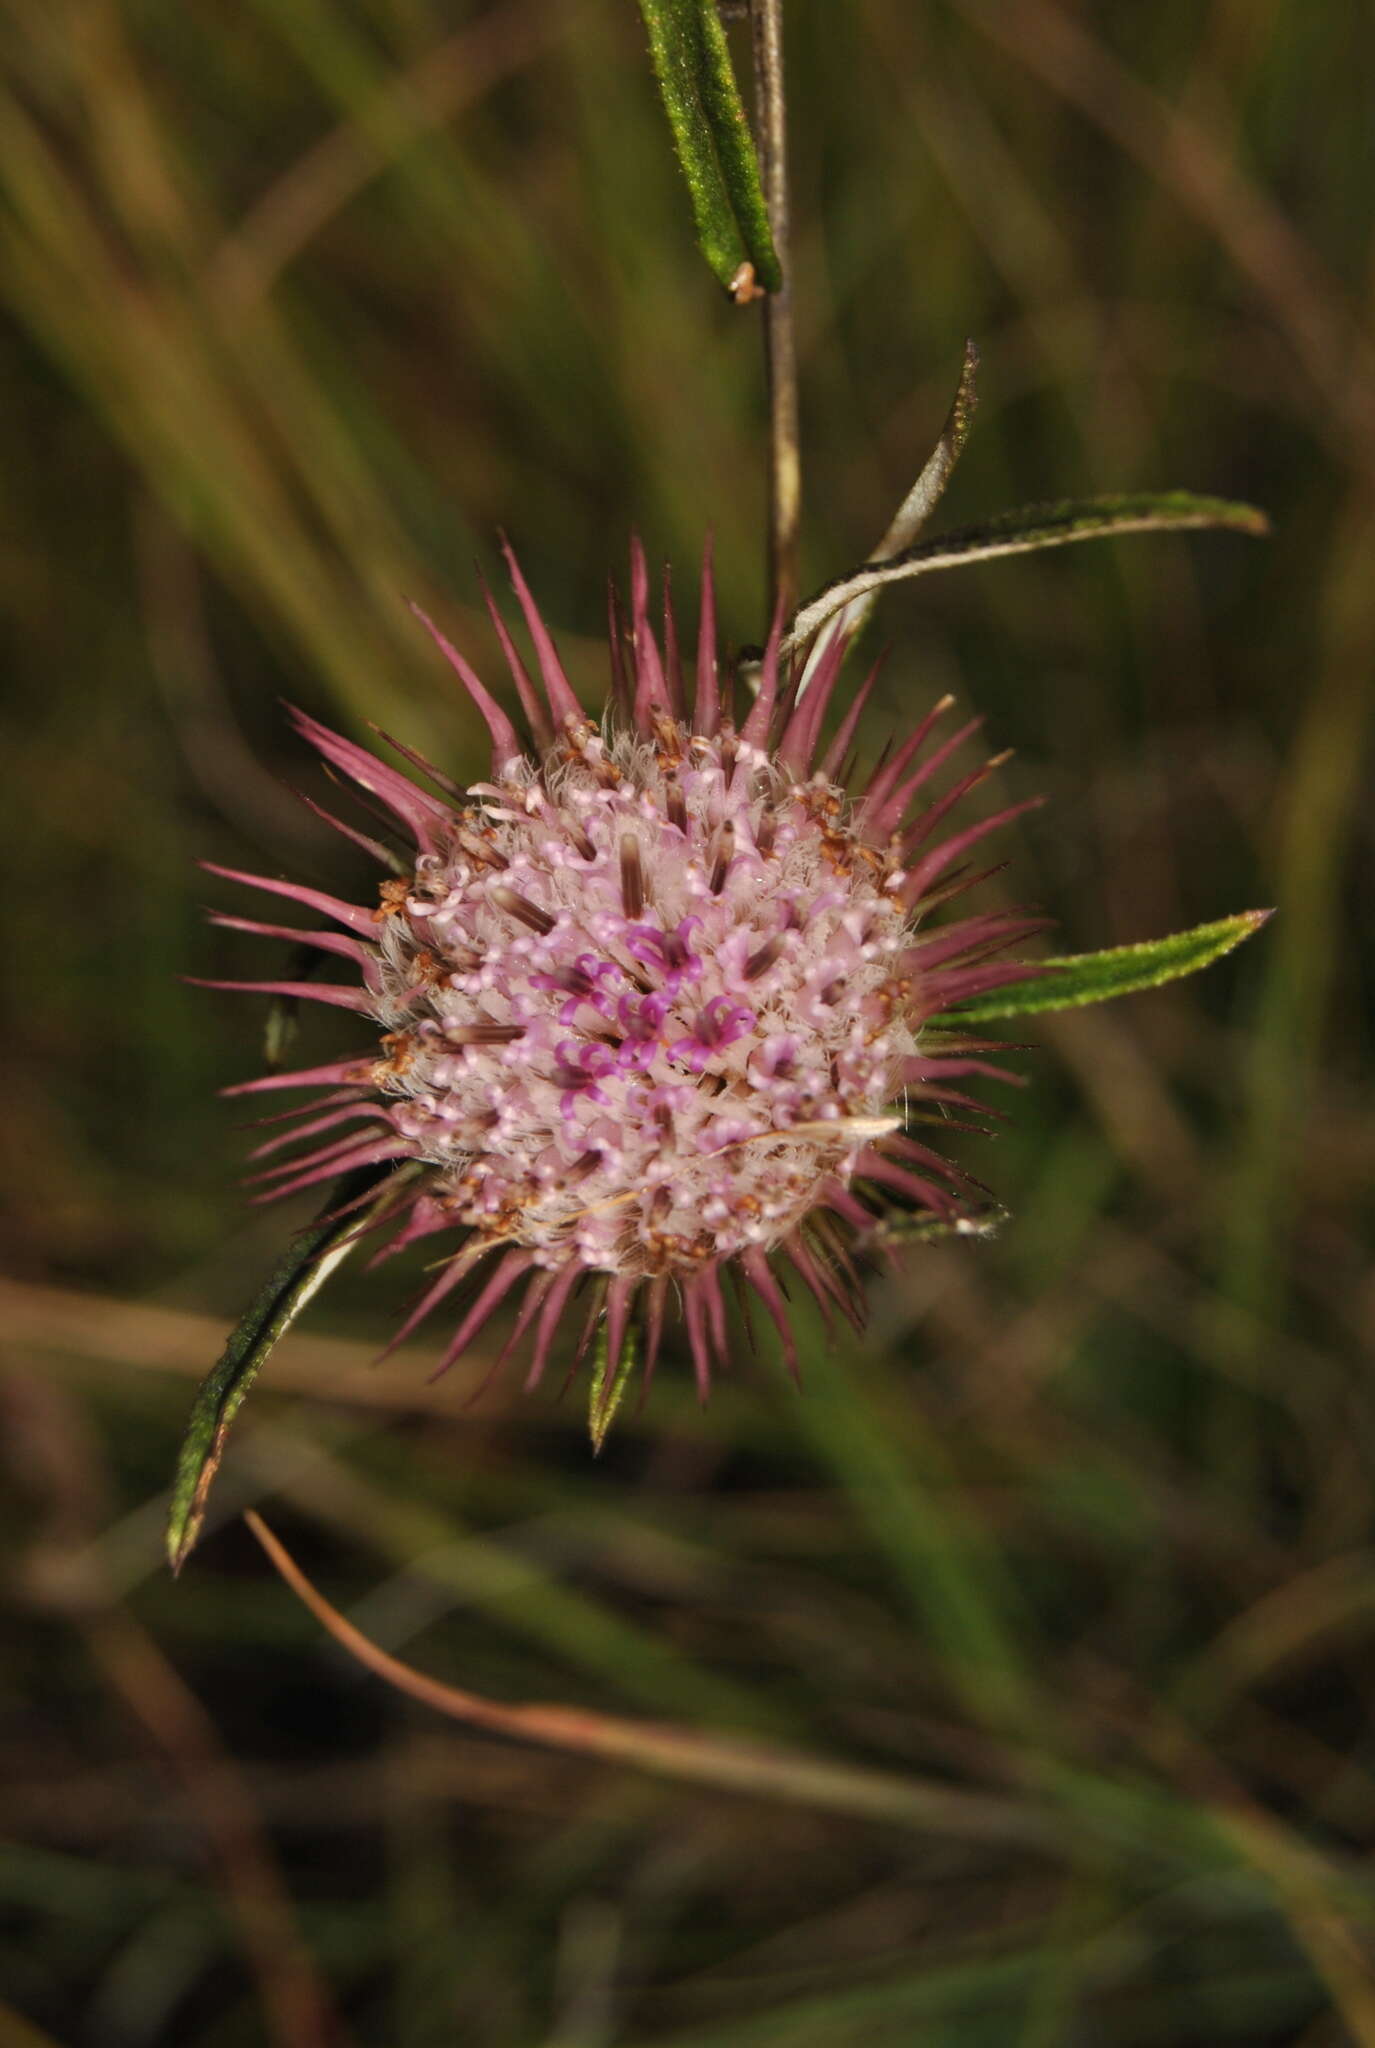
point(303, 302)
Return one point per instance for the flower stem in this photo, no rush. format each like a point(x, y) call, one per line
point(780, 352)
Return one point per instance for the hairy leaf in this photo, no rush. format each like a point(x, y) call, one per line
point(304, 1267)
point(1080, 978)
point(915, 509)
point(713, 141)
point(926, 493)
point(607, 1391)
point(1021, 533)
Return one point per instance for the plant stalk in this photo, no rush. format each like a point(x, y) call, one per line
point(780, 350)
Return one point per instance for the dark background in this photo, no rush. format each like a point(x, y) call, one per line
point(304, 299)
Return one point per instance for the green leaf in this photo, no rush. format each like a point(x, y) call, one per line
point(1081, 978)
point(926, 493)
point(304, 1267)
point(606, 1392)
point(1022, 533)
point(915, 509)
point(713, 140)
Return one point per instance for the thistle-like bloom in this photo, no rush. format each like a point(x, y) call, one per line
point(657, 1002)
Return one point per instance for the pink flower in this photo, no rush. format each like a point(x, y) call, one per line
point(656, 1000)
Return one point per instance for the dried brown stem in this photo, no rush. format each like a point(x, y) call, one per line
point(666, 1750)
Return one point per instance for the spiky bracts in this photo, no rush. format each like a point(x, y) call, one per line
point(656, 1001)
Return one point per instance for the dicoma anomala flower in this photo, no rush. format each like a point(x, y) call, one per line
point(655, 1006)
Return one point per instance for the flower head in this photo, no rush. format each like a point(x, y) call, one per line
point(657, 1000)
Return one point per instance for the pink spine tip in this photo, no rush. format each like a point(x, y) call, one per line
point(506, 746)
point(335, 993)
point(536, 717)
point(706, 710)
point(755, 731)
point(557, 688)
point(348, 914)
point(417, 810)
point(651, 688)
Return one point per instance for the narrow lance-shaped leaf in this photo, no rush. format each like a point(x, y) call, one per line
point(929, 488)
point(607, 1391)
point(915, 509)
point(1022, 533)
point(1081, 978)
point(307, 1263)
point(713, 141)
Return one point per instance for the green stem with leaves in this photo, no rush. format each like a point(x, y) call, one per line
point(780, 342)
